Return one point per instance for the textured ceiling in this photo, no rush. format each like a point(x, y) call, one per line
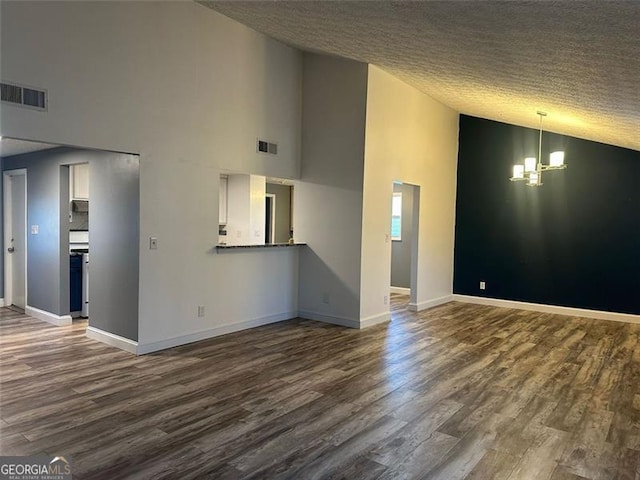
point(578, 61)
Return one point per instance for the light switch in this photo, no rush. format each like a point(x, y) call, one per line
point(35, 229)
point(153, 243)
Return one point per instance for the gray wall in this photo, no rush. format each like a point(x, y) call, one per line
point(2, 232)
point(401, 250)
point(114, 238)
point(63, 238)
point(283, 210)
point(47, 283)
point(328, 199)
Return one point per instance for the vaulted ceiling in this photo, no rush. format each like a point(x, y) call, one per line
point(577, 61)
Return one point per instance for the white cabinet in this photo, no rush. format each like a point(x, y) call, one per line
point(79, 181)
point(222, 212)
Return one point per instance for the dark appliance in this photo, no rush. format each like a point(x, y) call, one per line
point(75, 282)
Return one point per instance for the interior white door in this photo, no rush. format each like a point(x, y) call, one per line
point(17, 239)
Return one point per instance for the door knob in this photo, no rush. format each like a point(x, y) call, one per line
point(10, 249)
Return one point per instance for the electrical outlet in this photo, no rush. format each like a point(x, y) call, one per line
point(386, 299)
point(200, 310)
point(483, 285)
point(35, 229)
point(153, 243)
point(325, 298)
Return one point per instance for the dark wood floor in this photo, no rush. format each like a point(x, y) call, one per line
point(458, 391)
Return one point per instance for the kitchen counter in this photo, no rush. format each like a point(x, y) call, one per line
point(266, 245)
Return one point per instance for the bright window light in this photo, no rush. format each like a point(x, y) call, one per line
point(530, 164)
point(518, 171)
point(396, 216)
point(556, 159)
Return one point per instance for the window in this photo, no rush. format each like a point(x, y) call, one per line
point(396, 216)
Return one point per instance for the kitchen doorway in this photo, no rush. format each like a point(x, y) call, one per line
point(15, 232)
point(58, 202)
point(404, 245)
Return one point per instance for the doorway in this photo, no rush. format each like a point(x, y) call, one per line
point(404, 245)
point(15, 237)
point(114, 211)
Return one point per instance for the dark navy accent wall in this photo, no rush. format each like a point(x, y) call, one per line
point(573, 242)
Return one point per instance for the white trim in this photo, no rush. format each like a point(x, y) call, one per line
point(346, 322)
point(400, 290)
point(7, 225)
point(417, 307)
point(375, 319)
point(539, 307)
point(112, 339)
point(7, 221)
point(2, 302)
point(212, 332)
point(59, 320)
point(320, 317)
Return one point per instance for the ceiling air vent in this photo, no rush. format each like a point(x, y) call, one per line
point(24, 96)
point(267, 147)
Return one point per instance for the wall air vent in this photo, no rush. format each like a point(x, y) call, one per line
point(267, 147)
point(24, 96)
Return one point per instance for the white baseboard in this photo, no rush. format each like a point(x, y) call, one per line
point(346, 322)
point(417, 307)
point(400, 290)
point(144, 348)
point(375, 319)
point(539, 307)
point(112, 339)
point(59, 320)
point(320, 317)
point(2, 302)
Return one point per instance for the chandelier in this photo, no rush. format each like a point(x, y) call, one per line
point(533, 167)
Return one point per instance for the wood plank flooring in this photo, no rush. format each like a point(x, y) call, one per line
point(458, 391)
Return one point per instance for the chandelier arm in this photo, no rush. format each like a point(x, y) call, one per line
point(542, 114)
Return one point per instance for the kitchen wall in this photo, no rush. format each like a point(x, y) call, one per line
point(114, 183)
point(245, 210)
point(572, 242)
point(328, 199)
point(159, 80)
point(283, 211)
point(401, 249)
point(413, 138)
